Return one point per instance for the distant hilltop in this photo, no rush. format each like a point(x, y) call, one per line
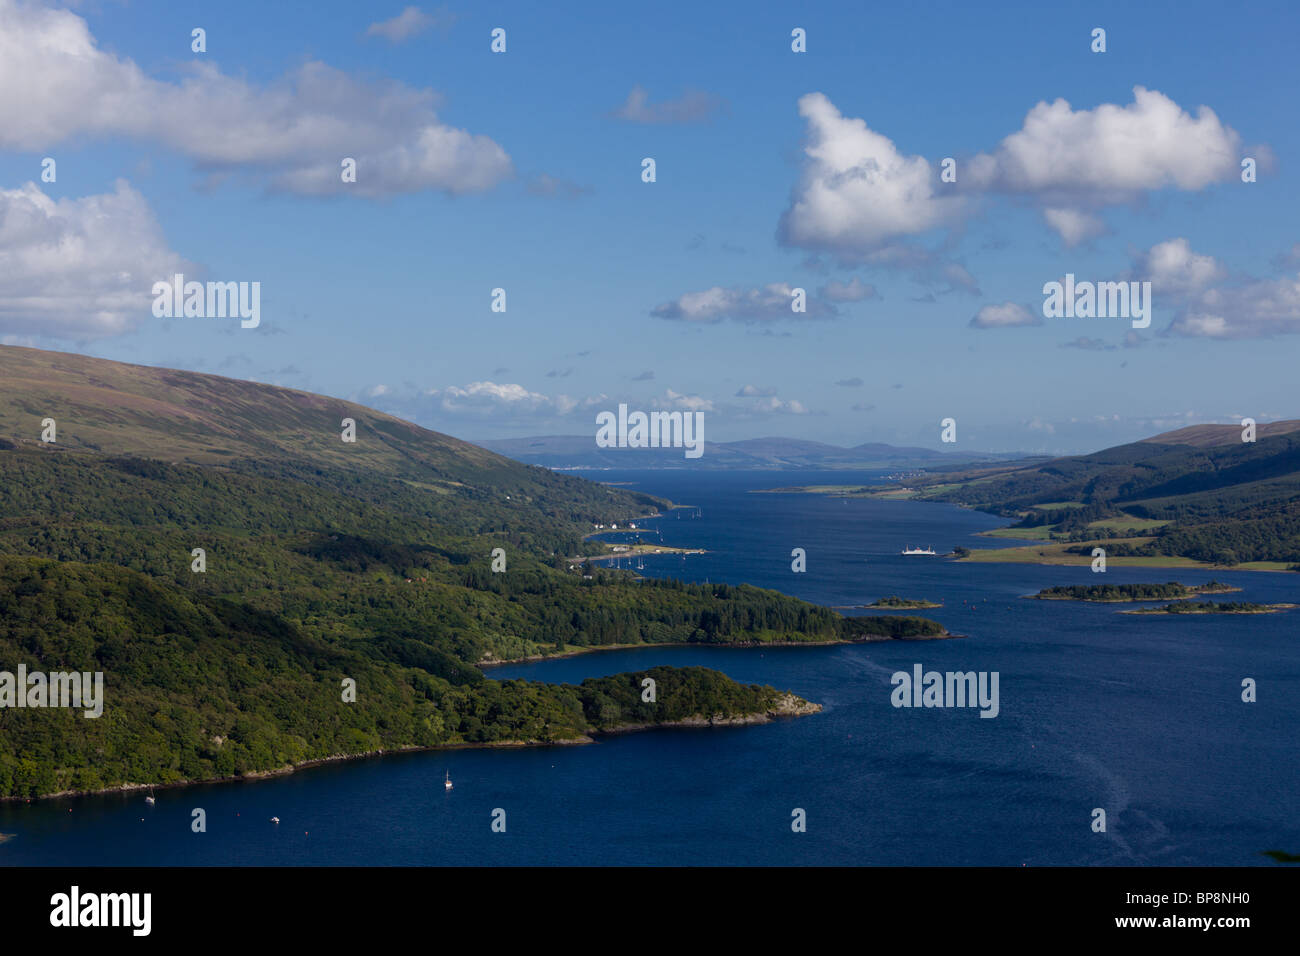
point(1211, 436)
point(581, 451)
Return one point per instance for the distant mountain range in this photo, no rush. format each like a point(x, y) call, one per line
point(581, 451)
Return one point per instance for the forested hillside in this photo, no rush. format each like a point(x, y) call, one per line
point(316, 567)
point(1219, 500)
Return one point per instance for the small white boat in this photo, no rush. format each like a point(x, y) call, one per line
point(275, 819)
point(149, 800)
point(446, 785)
point(918, 551)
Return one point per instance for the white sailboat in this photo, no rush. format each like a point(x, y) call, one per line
point(446, 784)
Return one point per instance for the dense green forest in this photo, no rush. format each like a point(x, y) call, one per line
point(894, 627)
point(238, 669)
point(198, 686)
point(321, 563)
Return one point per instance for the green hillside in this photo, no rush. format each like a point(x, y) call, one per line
point(324, 561)
point(1216, 499)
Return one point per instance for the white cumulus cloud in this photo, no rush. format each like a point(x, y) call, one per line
point(860, 197)
point(1079, 160)
point(295, 131)
point(79, 268)
point(1148, 144)
point(1251, 309)
point(1173, 267)
point(857, 190)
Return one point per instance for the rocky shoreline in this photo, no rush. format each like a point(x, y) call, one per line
point(787, 705)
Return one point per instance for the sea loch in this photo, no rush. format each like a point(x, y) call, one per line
point(1098, 709)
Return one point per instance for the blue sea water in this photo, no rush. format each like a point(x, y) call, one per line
point(1138, 716)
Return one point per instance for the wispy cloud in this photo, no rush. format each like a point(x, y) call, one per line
point(770, 303)
point(1006, 315)
point(1213, 304)
point(693, 106)
point(1088, 344)
point(854, 290)
point(409, 23)
point(486, 399)
point(556, 188)
point(1252, 308)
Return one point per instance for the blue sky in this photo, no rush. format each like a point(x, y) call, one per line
point(775, 170)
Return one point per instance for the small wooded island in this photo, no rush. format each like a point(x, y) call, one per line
point(894, 600)
point(1210, 607)
point(1129, 593)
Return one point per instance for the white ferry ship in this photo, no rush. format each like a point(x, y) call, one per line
point(918, 551)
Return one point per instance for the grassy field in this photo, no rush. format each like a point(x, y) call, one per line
point(1048, 532)
point(828, 489)
point(1043, 533)
point(1055, 553)
point(1125, 523)
point(945, 487)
